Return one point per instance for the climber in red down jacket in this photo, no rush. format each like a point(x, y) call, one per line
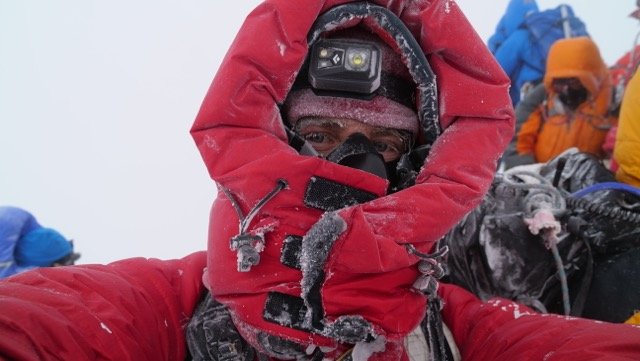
point(345, 138)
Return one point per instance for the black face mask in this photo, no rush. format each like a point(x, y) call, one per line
point(358, 152)
point(572, 98)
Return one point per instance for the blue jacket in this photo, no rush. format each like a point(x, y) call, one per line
point(515, 49)
point(14, 224)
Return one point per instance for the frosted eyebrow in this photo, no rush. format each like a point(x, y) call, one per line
point(381, 131)
point(321, 122)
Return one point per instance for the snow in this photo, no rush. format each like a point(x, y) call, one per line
point(363, 350)
point(211, 143)
point(499, 257)
point(315, 248)
point(282, 47)
point(104, 327)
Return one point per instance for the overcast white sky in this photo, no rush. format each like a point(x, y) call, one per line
point(97, 98)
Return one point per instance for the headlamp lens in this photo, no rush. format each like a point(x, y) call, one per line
point(358, 59)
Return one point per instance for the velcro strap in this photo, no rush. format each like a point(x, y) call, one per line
point(329, 195)
point(290, 255)
point(285, 310)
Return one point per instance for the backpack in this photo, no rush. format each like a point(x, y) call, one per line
point(545, 27)
point(492, 251)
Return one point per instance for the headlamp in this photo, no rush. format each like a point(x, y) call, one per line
point(344, 65)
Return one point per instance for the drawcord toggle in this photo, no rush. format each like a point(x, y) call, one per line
point(432, 267)
point(247, 245)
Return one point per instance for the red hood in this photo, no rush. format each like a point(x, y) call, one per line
point(240, 135)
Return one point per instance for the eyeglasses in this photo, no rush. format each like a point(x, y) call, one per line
point(325, 135)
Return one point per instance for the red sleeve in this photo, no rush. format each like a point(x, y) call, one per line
point(500, 329)
point(133, 309)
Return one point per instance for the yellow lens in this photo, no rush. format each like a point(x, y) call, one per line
point(357, 60)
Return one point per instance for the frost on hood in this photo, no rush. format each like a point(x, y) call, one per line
point(316, 245)
point(350, 329)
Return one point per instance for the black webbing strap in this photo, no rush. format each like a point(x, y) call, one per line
point(285, 310)
point(329, 195)
point(290, 255)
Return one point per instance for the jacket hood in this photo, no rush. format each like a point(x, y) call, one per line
point(276, 203)
point(579, 57)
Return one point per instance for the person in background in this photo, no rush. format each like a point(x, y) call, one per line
point(322, 238)
point(523, 38)
point(25, 244)
point(512, 44)
point(576, 110)
point(626, 151)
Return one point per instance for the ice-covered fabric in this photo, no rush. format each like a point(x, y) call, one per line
point(134, 309)
point(552, 129)
point(240, 135)
point(380, 111)
point(15, 223)
point(627, 148)
point(503, 330)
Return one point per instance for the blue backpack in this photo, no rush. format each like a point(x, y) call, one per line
point(550, 25)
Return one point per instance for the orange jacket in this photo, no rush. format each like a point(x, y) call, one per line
point(627, 148)
point(551, 129)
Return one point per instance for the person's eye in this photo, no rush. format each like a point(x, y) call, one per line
point(389, 150)
point(322, 142)
point(382, 147)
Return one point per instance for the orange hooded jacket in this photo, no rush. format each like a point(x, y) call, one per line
point(551, 129)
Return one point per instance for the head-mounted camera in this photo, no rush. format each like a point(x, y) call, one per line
point(343, 65)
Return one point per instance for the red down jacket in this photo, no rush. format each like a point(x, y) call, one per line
point(136, 309)
point(362, 249)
